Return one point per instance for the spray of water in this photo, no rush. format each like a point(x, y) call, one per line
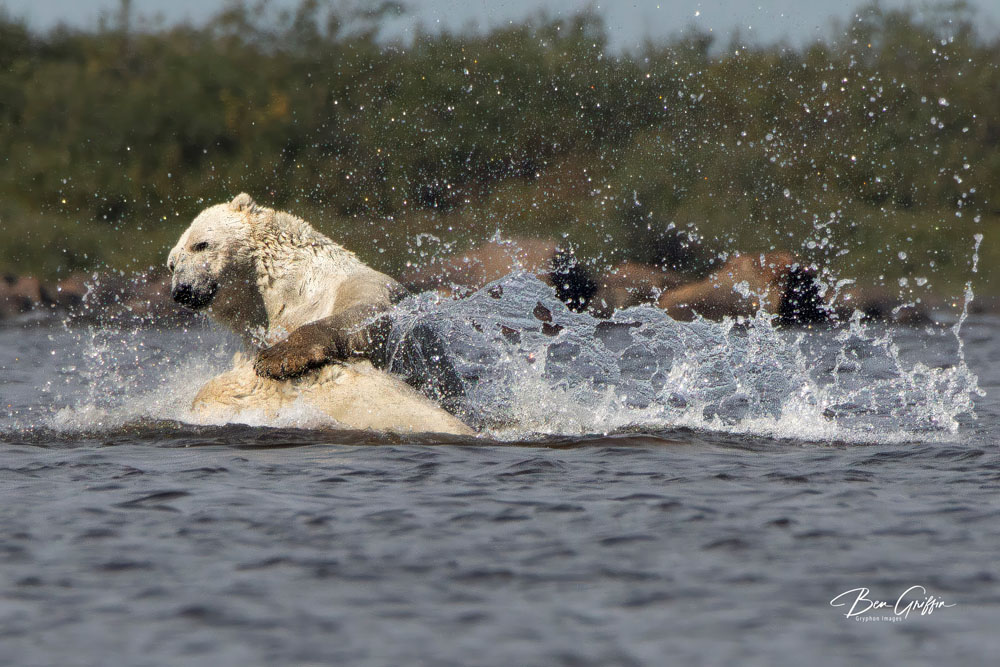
point(529, 366)
point(532, 366)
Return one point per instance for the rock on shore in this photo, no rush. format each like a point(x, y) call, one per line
point(108, 298)
point(144, 298)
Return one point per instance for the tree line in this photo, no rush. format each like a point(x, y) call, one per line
point(884, 135)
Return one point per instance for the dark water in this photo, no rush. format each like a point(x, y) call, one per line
point(130, 537)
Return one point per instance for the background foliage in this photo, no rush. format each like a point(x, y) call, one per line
point(874, 153)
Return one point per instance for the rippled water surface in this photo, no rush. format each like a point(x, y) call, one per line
point(603, 519)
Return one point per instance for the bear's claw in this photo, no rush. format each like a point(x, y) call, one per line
point(284, 360)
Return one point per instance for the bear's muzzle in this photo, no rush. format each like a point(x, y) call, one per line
point(193, 297)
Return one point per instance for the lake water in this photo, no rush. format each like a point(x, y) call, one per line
point(645, 493)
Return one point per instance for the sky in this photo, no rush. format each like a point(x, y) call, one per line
point(629, 22)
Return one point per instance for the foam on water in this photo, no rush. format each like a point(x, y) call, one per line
point(119, 378)
point(531, 367)
point(122, 379)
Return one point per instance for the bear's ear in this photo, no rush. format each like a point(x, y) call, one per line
point(243, 203)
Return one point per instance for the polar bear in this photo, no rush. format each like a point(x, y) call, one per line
point(266, 274)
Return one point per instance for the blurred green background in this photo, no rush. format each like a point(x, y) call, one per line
point(873, 153)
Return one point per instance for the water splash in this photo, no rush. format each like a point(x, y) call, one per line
point(125, 374)
point(957, 328)
point(532, 366)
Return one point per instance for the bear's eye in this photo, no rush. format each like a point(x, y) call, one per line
point(198, 247)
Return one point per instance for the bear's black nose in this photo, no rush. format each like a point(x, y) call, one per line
point(186, 295)
point(182, 294)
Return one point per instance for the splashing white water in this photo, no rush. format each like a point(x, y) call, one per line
point(530, 366)
point(125, 375)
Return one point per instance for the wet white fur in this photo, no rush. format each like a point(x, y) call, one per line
point(274, 273)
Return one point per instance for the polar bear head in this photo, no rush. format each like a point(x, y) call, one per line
point(257, 270)
point(215, 255)
point(216, 262)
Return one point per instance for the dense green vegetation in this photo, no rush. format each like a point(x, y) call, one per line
point(875, 152)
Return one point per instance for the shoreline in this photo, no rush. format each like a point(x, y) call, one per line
point(105, 298)
point(144, 297)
